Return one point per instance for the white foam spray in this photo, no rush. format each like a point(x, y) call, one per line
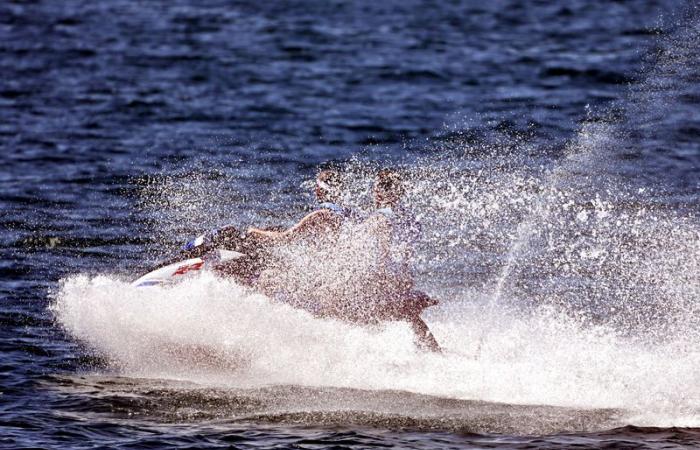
point(209, 331)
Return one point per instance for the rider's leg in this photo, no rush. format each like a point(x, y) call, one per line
point(424, 337)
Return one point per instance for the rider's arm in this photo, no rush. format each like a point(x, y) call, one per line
point(318, 221)
point(259, 232)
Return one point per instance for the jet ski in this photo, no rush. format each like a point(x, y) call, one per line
point(242, 257)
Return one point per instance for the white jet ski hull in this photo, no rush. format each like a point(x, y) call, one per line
point(175, 272)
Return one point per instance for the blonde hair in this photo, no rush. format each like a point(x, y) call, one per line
point(389, 186)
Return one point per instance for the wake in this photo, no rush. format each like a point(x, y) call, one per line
point(209, 331)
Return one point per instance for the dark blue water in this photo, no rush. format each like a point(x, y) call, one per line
point(105, 106)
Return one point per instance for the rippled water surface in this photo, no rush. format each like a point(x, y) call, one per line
point(553, 156)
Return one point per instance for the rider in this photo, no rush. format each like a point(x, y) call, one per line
point(326, 219)
point(396, 230)
point(318, 230)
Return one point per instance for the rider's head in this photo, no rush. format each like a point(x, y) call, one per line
point(329, 186)
point(388, 188)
